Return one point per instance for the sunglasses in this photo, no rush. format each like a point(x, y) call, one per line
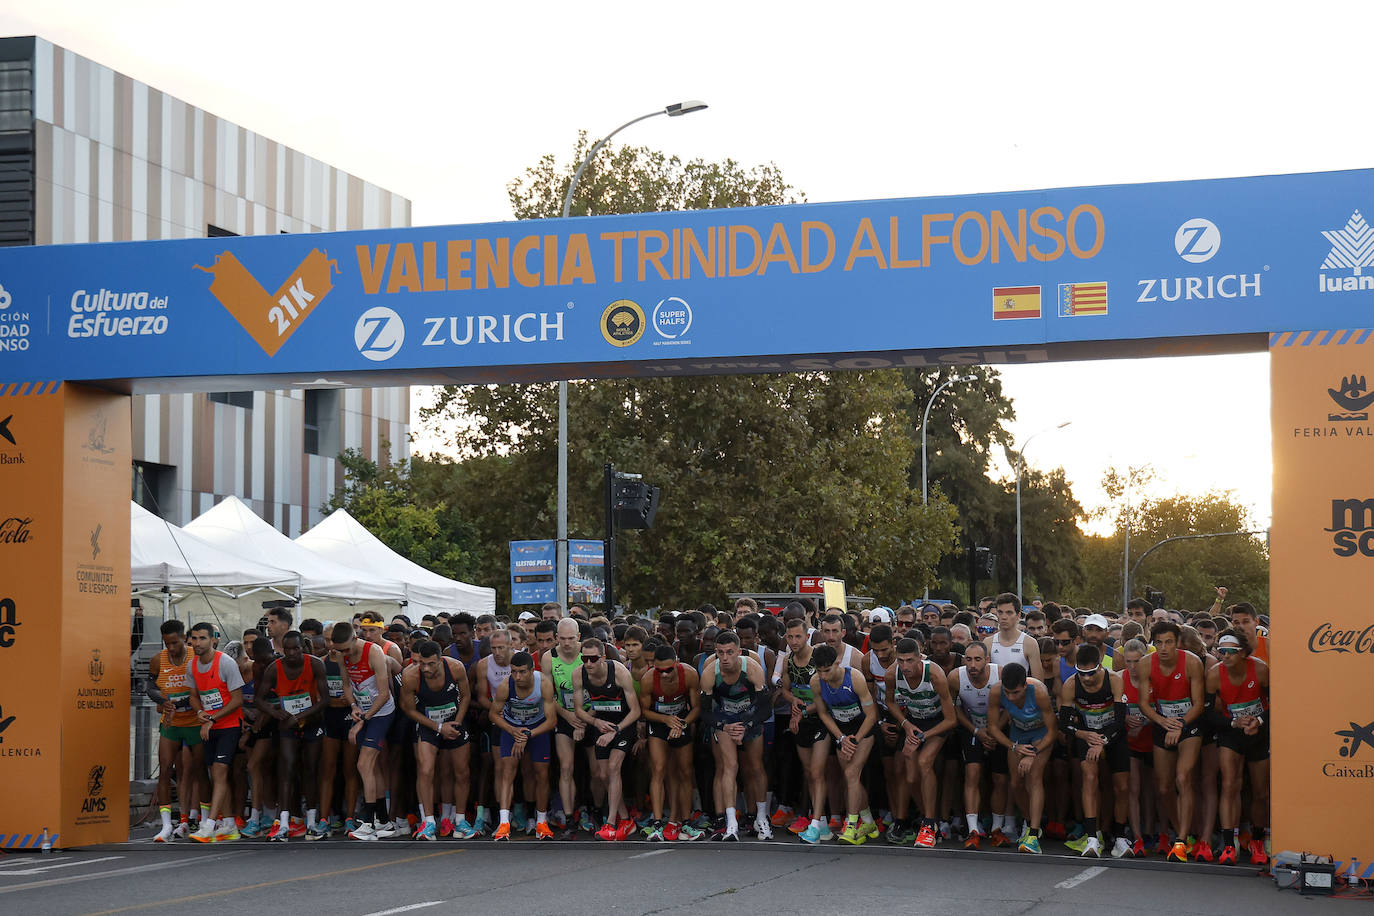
point(986, 630)
point(1092, 670)
point(590, 659)
point(1229, 650)
point(1063, 642)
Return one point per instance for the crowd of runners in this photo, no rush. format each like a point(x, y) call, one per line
point(1000, 725)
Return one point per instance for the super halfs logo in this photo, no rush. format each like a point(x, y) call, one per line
point(271, 319)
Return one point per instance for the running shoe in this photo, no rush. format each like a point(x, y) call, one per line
point(585, 821)
point(1077, 845)
point(811, 835)
point(319, 832)
point(1054, 830)
point(1245, 837)
point(1029, 843)
point(1228, 855)
point(607, 833)
point(351, 825)
point(1075, 831)
point(463, 830)
point(1093, 847)
point(529, 826)
point(800, 824)
point(280, 833)
point(502, 833)
point(1258, 854)
point(926, 837)
point(974, 838)
point(895, 833)
point(826, 832)
point(643, 821)
point(543, 831)
point(181, 831)
point(946, 830)
point(568, 832)
point(385, 831)
point(624, 830)
point(428, 831)
point(297, 830)
point(869, 829)
point(1164, 845)
point(206, 833)
point(1202, 852)
point(701, 820)
point(851, 835)
point(687, 833)
point(164, 835)
point(335, 824)
point(653, 831)
point(762, 829)
point(1191, 843)
point(252, 827)
point(781, 817)
point(517, 813)
point(1138, 848)
point(998, 838)
point(446, 828)
point(671, 831)
point(729, 834)
point(1178, 852)
point(227, 832)
point(835, 824)
point(1121, 848)
point(716, 831)
point(479, 825)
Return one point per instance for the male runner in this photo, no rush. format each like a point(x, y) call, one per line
point(970, 687)
point(920, 704)
point(1031, 732)
point(297, 682)
point(217, 700)
point(793, 673)
point(1172, 694)
point(845, 707)
point(882, 656)
point(491, 672)
point(1093, 715)
point(279, 620)
point(1095, 635)
point(560, 663)
point(1238, 696)
point(524, 710)
point(1009, 645)
point(367, 688)
point(740, 704)
point(605, 701)
point(435, 694)
point(1245, 621)
point(672, 705)
point(178, 746)
point(832, 635)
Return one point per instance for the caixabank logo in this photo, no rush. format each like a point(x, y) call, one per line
point(271, 318)
point(1354, 754)
point(1352, 527)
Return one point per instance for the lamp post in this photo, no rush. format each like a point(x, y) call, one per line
point(677, 109)
point(925, 421)
point(1020, 465)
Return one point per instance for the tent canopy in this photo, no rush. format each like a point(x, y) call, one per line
point(164, 555)
point(234, 527)
point(343, 540)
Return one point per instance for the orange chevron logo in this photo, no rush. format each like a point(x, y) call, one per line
point(271, 319)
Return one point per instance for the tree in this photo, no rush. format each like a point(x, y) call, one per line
point(1186, 571)
point(764, 477)
point(399, 504)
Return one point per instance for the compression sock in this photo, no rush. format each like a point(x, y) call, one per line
point(505, 815)
point(166, 812)
point(542, 817)
point(379, 810)
point(761, 811)
point(1090, 826)
point(731, 819)
point(311, 816)
point(369, 812)
point(972, 823)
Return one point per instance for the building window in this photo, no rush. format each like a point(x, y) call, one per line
point(242, 399)
point(322, 423)
point(154, 488)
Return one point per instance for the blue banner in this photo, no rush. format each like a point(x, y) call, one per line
point(532, 568)
point(1077, 271)
point(586, 572)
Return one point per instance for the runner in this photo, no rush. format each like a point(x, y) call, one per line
point(297, 682)
point(1009, 645)
point(560, 663)
point(367, 688)
point(882, 656)
point(740, 704)
point(435, 695)
point(1172, 693)
point(179, 746)
point(1245, 622)
point(832, 635)
point(334, 747)
point(524, 710)
point(605, 701)
point(217, 700)
point(1140, 792)
point(793, 674)
point(846, 709)
point(1031, 732)
point(491, 672)
point(1093, 716)
point(970, 687)
point(921, 705)
point(1238, 695)
point(672, 706)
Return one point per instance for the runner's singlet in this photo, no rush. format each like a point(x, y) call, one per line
point(843, 703)
point(605, 701)
point(1027, 721)
point(528, 711)
point(672, 704)
point(734, 700)
point(214, 692)
point(562, 678)
point(1006, 655)
point(1173, 695)
point(365, 688)
point(439, 704)
point(1096, 708)
point(1141, 741)
point(921, 703)
point(974, 700)
point(1245, 698)
point(172, 683)
point(297, 694)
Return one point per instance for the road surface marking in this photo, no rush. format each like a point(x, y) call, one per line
point(50, 867)
point(1086, 874)
point(406, 909)
point(254, 887)
point(656, 852)
point(72, 879)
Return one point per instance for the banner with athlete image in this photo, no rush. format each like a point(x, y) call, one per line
point(1321, 576)
point(586, 572)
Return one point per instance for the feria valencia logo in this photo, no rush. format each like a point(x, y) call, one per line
point(379, 333)
point(1327, 638)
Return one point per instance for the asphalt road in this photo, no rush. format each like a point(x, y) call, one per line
point(782, 877)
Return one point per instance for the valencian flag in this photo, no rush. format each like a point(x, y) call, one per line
point(1016, 302)
point(1082, 299)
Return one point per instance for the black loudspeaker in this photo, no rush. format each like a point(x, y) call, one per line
point(635, 503)
point(984, 563)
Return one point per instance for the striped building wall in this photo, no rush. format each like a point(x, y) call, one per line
point(117, 160)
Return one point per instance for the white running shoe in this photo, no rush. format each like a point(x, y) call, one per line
point(1092, 848)
point(762, 828)
point(181, 831)
point(163, 836)
point(384, 831)
point(206, 833)
point(1121, 847)
point(364, 831)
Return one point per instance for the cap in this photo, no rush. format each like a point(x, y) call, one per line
point(527, 615)
point(880, 615)
point(1097, 620)
point(371, 619)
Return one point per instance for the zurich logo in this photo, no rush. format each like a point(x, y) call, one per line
point(379, 333)
point(672, 318)
point(1197, 240)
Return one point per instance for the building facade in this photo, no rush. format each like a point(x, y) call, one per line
point(91, 155)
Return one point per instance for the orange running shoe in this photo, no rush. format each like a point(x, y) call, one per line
point(799, 825)
point(974, 838)
point(543, 831)
point(781, 818)
point(502, 832)
point(998, 838)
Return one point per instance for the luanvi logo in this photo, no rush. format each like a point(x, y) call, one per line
point(271, 319)
point(1352, 397)
point(1352, 248)
point(1352, 527)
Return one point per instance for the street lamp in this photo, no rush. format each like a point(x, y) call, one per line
point(925, 420)
point(1020, 465)
point(677, 109)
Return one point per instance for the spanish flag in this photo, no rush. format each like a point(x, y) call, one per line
point(1077, 299)
point(1016, 302)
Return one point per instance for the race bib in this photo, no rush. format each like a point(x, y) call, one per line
point(1246, 708)
point(1175, 709)
point(335, 684)
point(297, 703)
point(565, 698)
point(211, 700)
point(1098, 719)
point(846, 713)
point(678, 708)
point(605, 706)
point(181, 699)
point(979, 720)
point(442, 714)
point(364, 697)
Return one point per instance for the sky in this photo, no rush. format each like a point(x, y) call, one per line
point(445, 103)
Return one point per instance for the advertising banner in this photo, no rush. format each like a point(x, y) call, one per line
point(586, 572)
point(1321, 574)
point(532, 568)
point(980, 278)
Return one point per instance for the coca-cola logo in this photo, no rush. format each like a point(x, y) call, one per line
point(15, 530)
point(1326, 638)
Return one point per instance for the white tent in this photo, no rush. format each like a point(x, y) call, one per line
point(338, 589)
point(342, 539)
point(201, 581)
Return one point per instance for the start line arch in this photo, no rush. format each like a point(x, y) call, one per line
point(1216, 266)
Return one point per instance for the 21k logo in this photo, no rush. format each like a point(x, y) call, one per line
point(271, 319)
